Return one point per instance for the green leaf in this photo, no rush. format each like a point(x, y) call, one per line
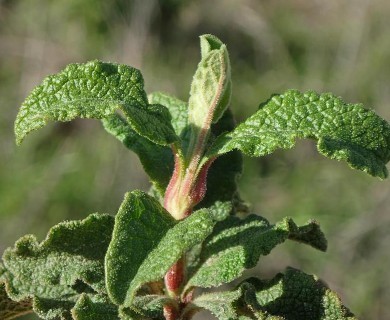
point(94, 307)
point(184, 235)
point(343, 131)
point(218, 212)
point(295, 296)
point(94, 90)
point(140, 224)
point(220, 304)
point(177, 108)
point(211, 86)
point(56, 271)
point(156, 160)
point(147, 307)
point(11, 309)
point(237, 244)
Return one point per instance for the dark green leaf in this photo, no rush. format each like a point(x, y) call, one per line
point(140, 225)
point(295, 296)
point(56, 271)
point(156, 160)
point(224, 172)
point(237, 244)
point(184, 235)
point(94, 90)
point(11, 309)
point(177, 108)
point(218, 212)
point(343, 131)
point(94, 307)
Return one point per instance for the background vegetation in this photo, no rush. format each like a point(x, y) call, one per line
point(68, 171)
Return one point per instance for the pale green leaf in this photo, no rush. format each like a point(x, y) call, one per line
point(220, 304)
point(343, 131)
point(184, 235)
point(211, 86)
point(94, 307)
point(94, 90)
point(10, 309)
point(147, 307)
point(156, 160)
point(237, 244)
point(56, 271)
point(295, 295)
point(140, 224)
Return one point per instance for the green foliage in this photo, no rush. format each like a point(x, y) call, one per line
point(144, 264)
point(220, 304)
point(343, 131)
point(148, 307)
point(94, 307)
point(140, 224)
point(156, 160)
point(211, 87)
point(294, 295)
point(176, 242)
point(176, 107)
point(94, 90)
point(55, 272)
point(237, 244)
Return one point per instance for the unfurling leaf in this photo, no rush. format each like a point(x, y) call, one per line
point(211, 87)
point(343, 131)
point(95, 90)
point(294, 295)
point(55, 272)
point(237, 244)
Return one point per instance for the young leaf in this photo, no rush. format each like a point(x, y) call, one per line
point(94, 307)
point(140, 224)
point(211, 87)
point(11, 309)
point(94, 90)
point(56, 271)
point(184, 235)
point(220, 304)
point(343, 131)
point(156, 160)
point(295, 296)
point(237, 244)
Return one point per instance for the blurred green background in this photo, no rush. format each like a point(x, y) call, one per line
point(69, 170)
